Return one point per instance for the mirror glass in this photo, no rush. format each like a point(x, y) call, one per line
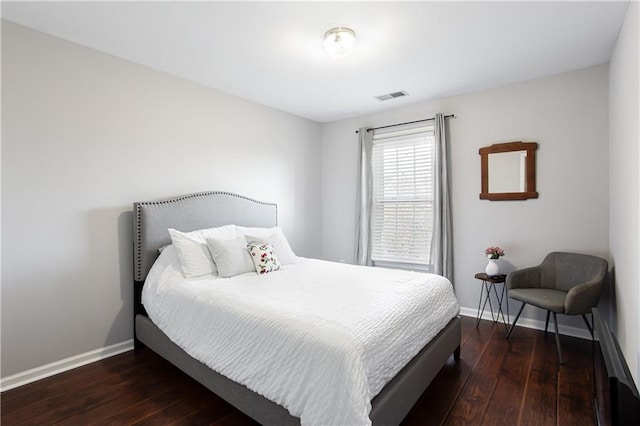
point(508, 171)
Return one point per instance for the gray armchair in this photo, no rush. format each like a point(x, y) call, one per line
point(564, 283)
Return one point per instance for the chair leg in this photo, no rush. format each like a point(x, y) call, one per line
point(515, 320)
point(555, 324)
point(586, 321)
point(546, 324)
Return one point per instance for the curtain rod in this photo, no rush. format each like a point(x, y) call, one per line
point(408, 122)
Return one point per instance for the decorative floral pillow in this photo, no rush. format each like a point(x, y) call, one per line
point(263, 256)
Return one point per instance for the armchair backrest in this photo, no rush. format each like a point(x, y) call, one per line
point(563, 271)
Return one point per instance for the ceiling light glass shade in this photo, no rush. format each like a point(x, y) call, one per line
point(340, 42)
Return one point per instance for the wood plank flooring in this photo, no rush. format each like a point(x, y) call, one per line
point(496, 382)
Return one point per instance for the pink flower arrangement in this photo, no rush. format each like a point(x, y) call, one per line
point(494, 252)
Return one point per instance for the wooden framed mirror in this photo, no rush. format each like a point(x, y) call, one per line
point(508, 171)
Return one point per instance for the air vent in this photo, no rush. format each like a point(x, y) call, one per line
point(392, 95)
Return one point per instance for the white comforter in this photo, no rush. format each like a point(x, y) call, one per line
point(319, 338)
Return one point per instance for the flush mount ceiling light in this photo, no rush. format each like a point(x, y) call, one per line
point(340, 42)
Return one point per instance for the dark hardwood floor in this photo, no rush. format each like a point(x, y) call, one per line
point(496, 382)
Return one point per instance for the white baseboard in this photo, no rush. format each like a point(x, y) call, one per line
point(581, 333)
point(70, 363)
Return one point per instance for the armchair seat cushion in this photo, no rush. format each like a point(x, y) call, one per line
point(545, 298)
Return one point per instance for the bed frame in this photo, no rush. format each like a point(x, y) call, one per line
point(209, 209)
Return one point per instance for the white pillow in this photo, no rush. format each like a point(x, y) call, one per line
point(166, 264)
point(168, 258)
point(264, 257)
point(193, 252)
point(275, 237)
point(231, 256)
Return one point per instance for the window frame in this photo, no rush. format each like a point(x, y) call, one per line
point(398, 137)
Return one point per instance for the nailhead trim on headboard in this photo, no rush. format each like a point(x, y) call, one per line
point(138, 272)
point(138, 223)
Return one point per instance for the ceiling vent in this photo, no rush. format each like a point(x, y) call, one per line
point(392, 95)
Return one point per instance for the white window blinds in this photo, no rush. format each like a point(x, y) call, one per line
point(402, 208)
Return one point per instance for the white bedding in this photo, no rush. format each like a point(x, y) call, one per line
point(319, 338)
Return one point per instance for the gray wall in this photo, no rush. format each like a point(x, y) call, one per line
point(84, 135)
point(566, 115)
point(624, 184)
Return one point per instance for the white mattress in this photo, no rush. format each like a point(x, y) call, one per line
point(319, 338)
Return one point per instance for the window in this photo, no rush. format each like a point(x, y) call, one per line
point(402, 207)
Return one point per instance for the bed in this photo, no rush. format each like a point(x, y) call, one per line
point(212, 209)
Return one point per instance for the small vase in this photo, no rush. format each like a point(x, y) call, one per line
point(492, 268)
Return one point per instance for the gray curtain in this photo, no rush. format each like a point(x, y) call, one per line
point(442, 239)
point(364, 199)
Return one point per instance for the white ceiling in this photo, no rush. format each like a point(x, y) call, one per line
point(271, 53)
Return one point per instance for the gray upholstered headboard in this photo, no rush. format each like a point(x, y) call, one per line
point(188, 213)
